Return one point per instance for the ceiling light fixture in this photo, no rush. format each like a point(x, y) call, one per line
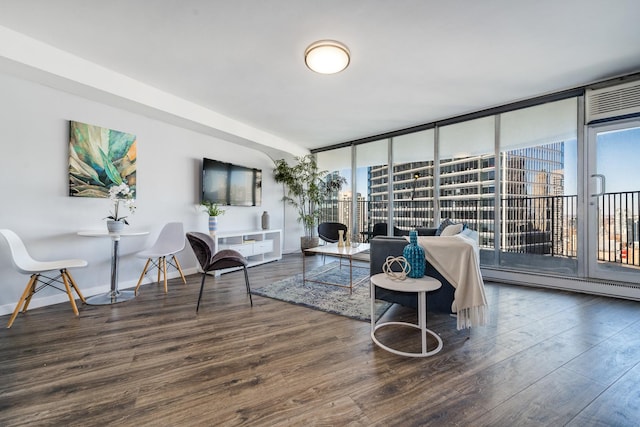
point(327, 56)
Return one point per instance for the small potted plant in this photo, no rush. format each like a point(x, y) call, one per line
point(214, 212)
point(120, 194)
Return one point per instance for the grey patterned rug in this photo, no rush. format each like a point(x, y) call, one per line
point(332, 299)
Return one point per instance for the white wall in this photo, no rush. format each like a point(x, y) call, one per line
point(34, 138)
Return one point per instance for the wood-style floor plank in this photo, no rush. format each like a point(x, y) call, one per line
point(545, 358)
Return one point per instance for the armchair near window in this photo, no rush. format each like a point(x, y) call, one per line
point(328, 231)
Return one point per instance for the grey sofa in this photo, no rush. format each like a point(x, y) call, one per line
point(437, 301)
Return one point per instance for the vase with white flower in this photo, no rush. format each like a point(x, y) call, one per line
point(214, 212)
point(120, 194)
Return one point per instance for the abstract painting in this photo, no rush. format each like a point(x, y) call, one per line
point(100, 158)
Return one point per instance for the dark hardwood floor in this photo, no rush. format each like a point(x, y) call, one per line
point(547, 358)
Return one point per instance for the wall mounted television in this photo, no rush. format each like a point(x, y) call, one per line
point(231, 185)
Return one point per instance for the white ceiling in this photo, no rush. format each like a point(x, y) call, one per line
point(413, 61)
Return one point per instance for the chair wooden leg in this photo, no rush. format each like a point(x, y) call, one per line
point(74, 285)
point(204, 276)
point(159, 265)
point(27, 290)
point(30, 295)
point(164, 272)
point(246, 281)
point(144, 271)
point(179, 269)
point(69, 294)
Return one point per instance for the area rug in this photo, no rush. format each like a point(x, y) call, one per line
point(332, 299)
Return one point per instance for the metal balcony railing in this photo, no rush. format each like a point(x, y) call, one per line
point(545, 225)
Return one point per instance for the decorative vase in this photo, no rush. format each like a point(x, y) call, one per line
point(347, 240)
point(340, 238)
point(414, 254)
point(115, 226)
point(265, 220)
point(213, 225)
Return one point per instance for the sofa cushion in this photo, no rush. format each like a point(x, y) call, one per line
point(447, 222)
point(444, 224)
point(452, 230)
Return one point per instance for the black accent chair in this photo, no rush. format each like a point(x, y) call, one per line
point(328, 231)
point(203, 246)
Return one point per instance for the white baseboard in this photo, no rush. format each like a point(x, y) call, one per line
point(574, 284)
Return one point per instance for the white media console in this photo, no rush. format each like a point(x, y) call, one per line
point(258, 246)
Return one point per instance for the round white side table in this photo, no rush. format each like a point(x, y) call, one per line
point(421, 286)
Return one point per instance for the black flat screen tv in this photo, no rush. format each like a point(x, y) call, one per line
point(231, 185)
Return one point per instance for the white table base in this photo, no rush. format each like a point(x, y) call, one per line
point(422, 319)
point(114, 295)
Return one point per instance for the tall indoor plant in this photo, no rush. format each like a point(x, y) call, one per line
point(307, 187)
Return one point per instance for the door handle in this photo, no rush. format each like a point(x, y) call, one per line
point(603, 184)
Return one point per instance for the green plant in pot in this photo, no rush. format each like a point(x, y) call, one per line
point(306, 188)
point(214, 212)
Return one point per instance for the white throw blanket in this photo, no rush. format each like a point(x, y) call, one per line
point(457, 259)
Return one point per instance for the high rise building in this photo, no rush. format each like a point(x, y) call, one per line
point(532, 180)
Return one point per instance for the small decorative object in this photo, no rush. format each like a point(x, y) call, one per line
point(265, 220)
point(119, 193)
point(340, 238)
point(347, 241)
point(214, 212)
point(387, 267)
point(415, 256)
point(355, 242)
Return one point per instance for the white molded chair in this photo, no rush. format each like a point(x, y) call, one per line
point(23, 262)
point(170, 241)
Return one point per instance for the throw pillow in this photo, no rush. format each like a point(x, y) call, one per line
point(452, 230)
point(444, 224)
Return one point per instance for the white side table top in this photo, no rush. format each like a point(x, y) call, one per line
point(423, 284)
point(114, 236)
point(104, 233)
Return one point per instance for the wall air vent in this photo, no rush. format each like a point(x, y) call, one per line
point(614, 101)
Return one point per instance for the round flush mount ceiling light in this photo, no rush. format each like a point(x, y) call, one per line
point(327, 57)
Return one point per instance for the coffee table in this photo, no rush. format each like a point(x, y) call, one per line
point(346, 252)
point(421, 286)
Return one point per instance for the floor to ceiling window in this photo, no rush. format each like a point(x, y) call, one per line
point(413, 185)
point(337, 206)
point(538, 197)
point(468, 178)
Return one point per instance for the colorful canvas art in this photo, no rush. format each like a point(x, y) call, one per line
point(100, 158)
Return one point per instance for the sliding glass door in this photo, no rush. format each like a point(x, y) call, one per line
point(613, 201)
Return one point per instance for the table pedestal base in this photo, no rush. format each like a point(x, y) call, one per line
point(111, 297)
point(425, 331)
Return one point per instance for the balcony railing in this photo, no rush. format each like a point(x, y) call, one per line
point(543, 225)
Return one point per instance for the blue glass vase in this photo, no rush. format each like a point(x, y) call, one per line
point(414, 254)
